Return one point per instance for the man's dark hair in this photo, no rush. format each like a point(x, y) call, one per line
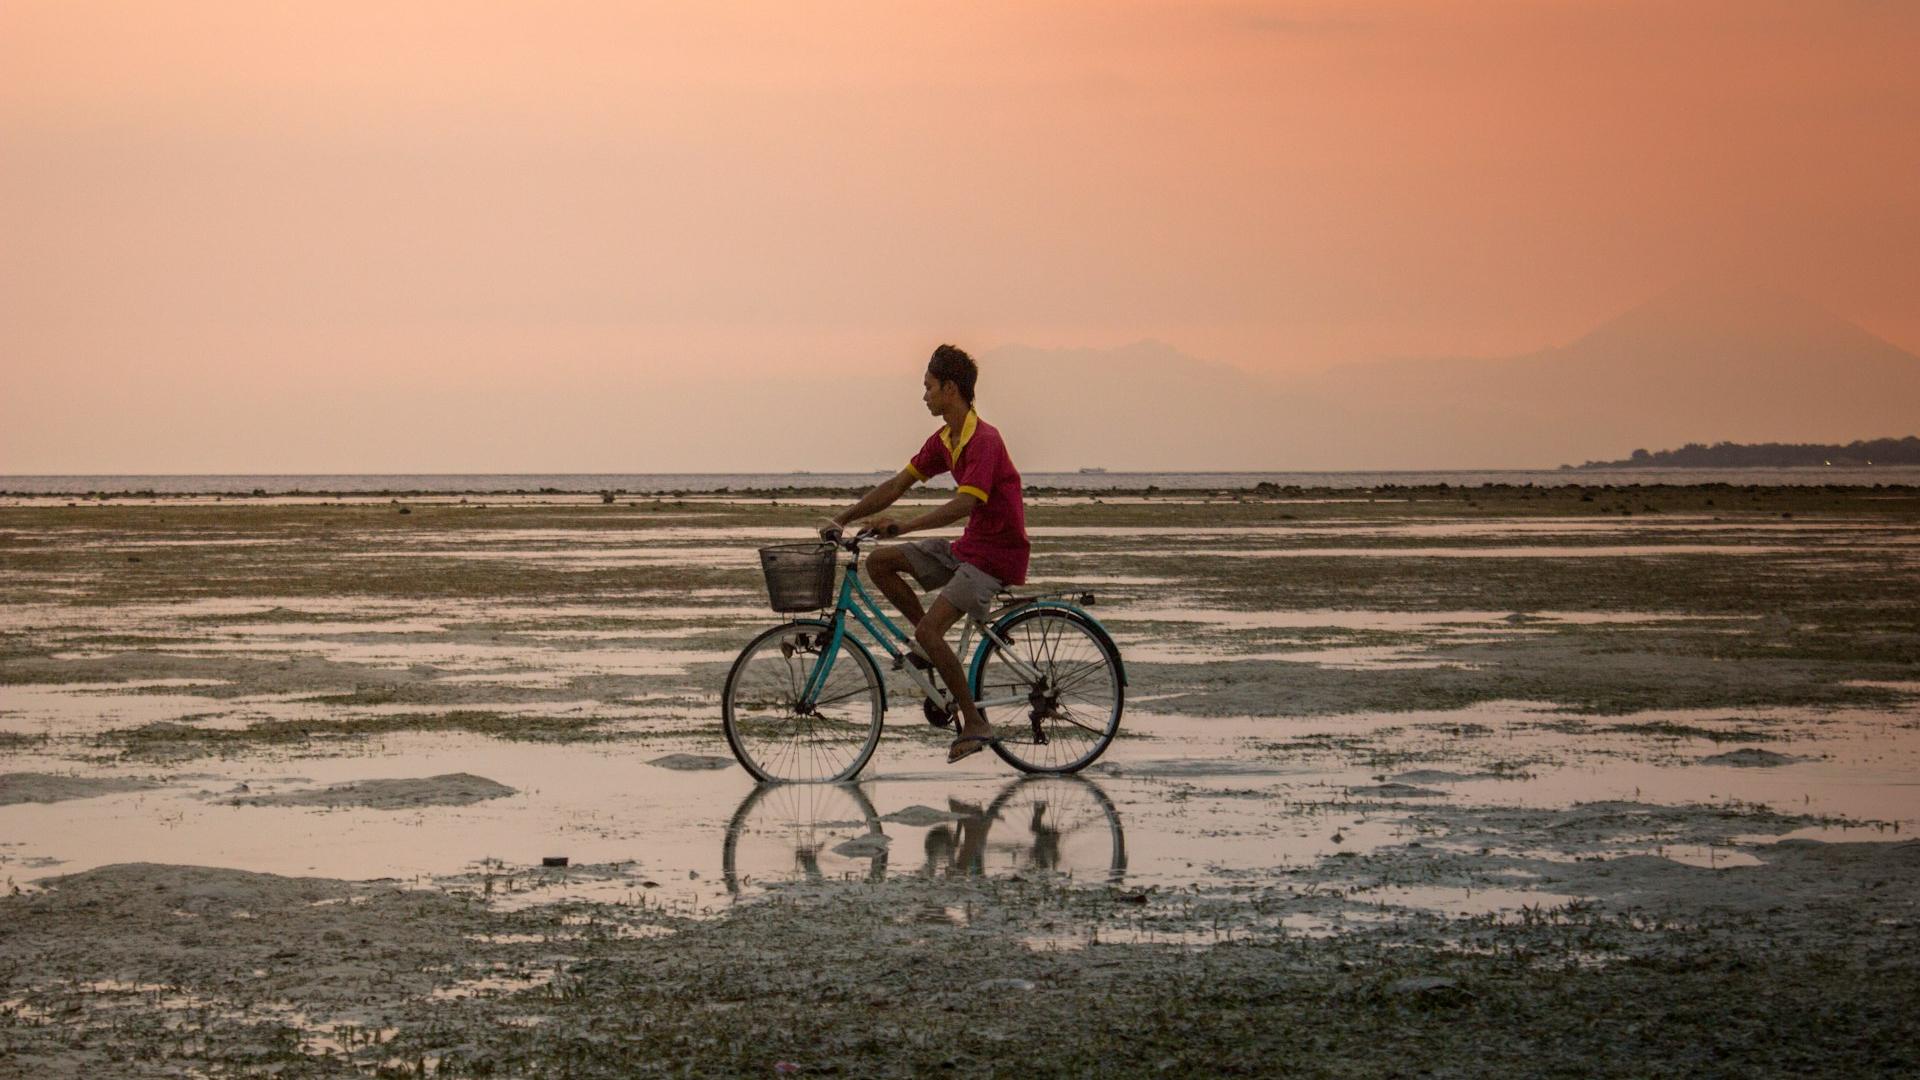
point(951, 363)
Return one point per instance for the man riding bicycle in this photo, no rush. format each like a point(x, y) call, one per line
point(991, 552)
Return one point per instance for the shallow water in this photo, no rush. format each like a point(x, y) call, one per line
point(1182, 801)
point(1209, 815)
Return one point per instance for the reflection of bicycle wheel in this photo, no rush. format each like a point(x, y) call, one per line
point(790, 832)
point(1059, 824)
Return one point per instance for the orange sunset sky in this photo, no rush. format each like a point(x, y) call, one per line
point(425, 236)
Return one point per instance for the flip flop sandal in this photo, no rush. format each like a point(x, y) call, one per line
point(958, 750)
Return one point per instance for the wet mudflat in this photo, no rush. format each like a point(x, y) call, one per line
point(1530, 780)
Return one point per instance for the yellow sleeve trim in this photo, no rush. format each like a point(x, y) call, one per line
point(969, 489)
point(916, 473)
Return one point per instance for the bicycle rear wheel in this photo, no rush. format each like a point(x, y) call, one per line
point(1070, 713)
point(777, 740)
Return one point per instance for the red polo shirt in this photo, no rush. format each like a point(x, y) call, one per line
point(995, 539)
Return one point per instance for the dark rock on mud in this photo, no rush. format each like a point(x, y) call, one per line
point(861, 847)
point(47, 788)
point(1442, 776)
point(921, 816)
point(450, 789)
point(1396, 791)
point(1433, 986)
point(1750, 758)
point(692, 762)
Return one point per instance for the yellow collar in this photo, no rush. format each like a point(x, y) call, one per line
point(966, 435)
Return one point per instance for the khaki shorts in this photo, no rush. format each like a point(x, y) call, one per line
point(963, 585)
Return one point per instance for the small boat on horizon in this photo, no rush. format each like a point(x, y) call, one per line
point(1093, 470)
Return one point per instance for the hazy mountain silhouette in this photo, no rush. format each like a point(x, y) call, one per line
point(1693, 366)
point(1143, 405)
point(1696, 365)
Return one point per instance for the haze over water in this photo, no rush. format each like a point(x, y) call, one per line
point(465, 483)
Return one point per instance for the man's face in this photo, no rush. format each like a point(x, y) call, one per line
point(934, 395)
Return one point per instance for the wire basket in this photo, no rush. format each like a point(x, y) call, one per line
point(799, 576)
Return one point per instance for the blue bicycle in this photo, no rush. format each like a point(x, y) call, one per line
point(805, 700)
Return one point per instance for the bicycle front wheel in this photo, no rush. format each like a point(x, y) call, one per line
point(1064, 678)
point(773, 735)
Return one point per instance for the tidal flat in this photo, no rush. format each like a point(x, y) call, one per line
point(1537, 780)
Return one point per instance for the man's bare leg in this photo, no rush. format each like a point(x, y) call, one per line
point(931, 633)
point(885, 567)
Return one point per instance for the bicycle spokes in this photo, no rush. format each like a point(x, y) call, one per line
point(1068, 678)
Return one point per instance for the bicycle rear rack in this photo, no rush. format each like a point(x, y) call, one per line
point(1084, 599)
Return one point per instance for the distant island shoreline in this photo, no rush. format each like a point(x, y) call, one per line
point(1545, 483)
point(1730, 455)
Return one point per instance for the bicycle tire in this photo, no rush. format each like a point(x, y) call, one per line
point(1073, 717)
point(767, 733)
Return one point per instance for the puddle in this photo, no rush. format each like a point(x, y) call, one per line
point(75, 709)
point(319, 628)
point(1711, 857)
point(1903, 686)
point(506, 981)
point(1569, 551)
point(1351, 658)
point(563, 558)
point(1300, 620)
point(9, 692)
point(210, 541)
point(459, 656)
point(1410, 621)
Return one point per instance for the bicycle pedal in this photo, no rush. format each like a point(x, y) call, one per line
point(935, 715)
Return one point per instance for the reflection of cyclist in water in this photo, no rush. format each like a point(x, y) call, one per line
point(991, 552)
point(1046, 839)
point(962, 846)
point(825, 832)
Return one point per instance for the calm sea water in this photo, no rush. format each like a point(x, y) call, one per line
point(464, 483)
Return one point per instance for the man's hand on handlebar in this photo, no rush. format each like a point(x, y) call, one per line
point(832, 532)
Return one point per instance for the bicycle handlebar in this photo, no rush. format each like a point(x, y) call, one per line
point(852, 542)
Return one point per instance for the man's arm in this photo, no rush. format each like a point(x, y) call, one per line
point(958, 508)
point(878, 499)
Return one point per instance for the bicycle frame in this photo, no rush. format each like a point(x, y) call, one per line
point(854, 600)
